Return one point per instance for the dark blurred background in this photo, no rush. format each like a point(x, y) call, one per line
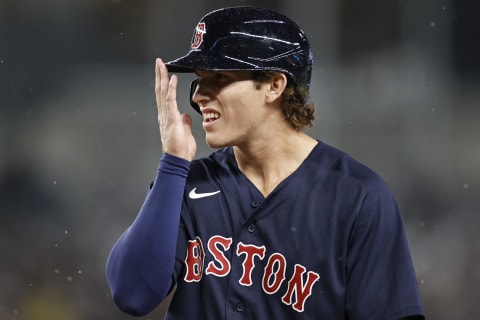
point(396, 83)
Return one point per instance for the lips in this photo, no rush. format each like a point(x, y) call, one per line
point(210, 116)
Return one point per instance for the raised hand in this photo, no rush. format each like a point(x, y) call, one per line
point(175, 128)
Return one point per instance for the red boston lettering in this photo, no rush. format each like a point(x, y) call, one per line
point(248, 264)
point(194, 260)
point(295, 285)
point(274, 273)
point(299, 286)
point(213, 247)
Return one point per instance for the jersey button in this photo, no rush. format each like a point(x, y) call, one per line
point(255, 203)
point(251, 228)
point(239, 307)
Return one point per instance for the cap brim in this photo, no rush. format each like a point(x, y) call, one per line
point(176, 67)
point(188, 63)
point(202, 61)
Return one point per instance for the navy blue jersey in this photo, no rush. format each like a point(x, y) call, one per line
point(327, 243)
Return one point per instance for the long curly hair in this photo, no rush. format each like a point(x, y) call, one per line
point(297, 107)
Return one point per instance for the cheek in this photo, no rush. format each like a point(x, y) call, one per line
point(244, 98)
point(241, 104)
point(239, 114)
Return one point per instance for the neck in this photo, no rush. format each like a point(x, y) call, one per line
point(267, 162)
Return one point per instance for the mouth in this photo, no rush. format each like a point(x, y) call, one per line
point(210, 117)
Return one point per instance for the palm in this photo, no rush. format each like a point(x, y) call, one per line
point(175, 128)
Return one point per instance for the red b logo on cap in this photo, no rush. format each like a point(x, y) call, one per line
point(198, 37)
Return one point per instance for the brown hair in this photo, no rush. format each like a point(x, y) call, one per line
point(298, 109)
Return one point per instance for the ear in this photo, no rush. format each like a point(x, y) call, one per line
point(275, 87)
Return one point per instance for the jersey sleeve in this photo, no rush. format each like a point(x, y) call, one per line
point(141, 263)
point(381, 281)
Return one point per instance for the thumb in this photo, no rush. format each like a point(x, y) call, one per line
point(187, 127)
point(187, 123)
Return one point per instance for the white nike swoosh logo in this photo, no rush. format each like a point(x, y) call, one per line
point(194, 195)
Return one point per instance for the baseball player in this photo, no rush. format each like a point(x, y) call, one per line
point(274, 224)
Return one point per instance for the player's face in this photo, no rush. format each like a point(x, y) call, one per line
point(232, 105)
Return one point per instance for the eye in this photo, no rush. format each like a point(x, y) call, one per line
point(220, 77)
point(215, 78)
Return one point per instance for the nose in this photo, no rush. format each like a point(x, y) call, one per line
point(194, 96)
point(197, 94)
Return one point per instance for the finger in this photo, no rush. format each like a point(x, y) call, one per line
point(164, 82)
point(166, 98)
point(171, 97)
point(158, 61)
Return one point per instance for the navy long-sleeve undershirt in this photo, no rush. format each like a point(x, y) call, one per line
point(140, 265)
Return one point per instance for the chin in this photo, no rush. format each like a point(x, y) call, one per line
point(215, 143)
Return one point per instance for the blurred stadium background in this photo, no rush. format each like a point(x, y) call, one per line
point(396, 83)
